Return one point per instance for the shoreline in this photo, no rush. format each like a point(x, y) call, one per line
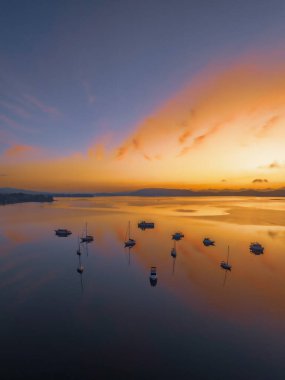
point(14, 198)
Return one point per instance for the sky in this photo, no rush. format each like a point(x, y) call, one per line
point(109, 95)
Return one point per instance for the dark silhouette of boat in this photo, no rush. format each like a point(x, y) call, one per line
point(256, 248)
point(62, 232)
point(207, 242)
point(173, 250)
point(143, 225)
point(130, 242)
point(225, 264)
point(153, 276)
point(78, 252)
point(177, 236)
point(87, 238)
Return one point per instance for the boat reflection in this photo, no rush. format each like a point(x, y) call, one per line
point(225, 277)
point(80, 270)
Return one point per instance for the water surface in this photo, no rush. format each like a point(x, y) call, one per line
point(198, 322)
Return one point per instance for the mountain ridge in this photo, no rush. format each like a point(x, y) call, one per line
point(157, 192)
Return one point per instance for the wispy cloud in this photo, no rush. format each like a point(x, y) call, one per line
point(20, 151)
point(39, 104)
point(16, 109)
point(3, 175)
point(260, 180)
point(267, 127)
point(198, 140)
point(7, 121)
point(10, 122)
point(97, 151)
point(273, 165)
point(217, 101)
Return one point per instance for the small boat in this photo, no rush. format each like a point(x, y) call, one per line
point(87, 238)
point(62, 232)
point(225, 264)
point(173, 252)
point(130, 242)
point(80, 269)
point(143, 225)
point(177, 236)
point(256, 248)
point(207, 242)
point(78, 252)
point(153, 276)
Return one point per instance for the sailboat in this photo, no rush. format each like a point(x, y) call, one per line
point(225, 264)
point(87, 238)
point(78, 252)
point(130, 242)
point(80, 268)
point(173, 250)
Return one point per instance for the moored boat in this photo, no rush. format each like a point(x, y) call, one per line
point(207, 242)
point(143, 225)
point(130, 242)
point(225, 264)
point(87, 238)
point(177, 236)
point(256, 248)
point(62, 232)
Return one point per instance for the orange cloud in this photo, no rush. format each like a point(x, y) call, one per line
point(252, 89)
point(210, 130)
point(97, 151)
point(267, 127)
point(18, 151)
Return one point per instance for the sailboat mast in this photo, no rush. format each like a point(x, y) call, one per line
point(228, 254)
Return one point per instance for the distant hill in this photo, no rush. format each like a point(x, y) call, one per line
point(161, 192)
point(158, 192)
point(12, 198)
point(11, 190)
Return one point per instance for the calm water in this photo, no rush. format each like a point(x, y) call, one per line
point(197, 323)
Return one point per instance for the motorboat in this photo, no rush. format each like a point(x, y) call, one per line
point(256, 248)
point(62, 232)
point(177, 236)
point(129, 242)
point(143, 225)
point(225, 264)
point(207, 242)
point(87, 238)
point(153, 276)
